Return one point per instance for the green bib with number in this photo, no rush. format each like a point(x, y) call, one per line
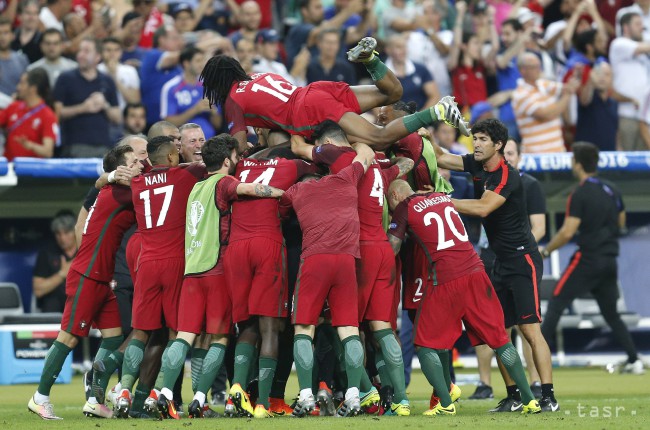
point(202, 222)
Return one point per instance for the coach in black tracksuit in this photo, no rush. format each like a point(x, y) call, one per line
point(595, 211)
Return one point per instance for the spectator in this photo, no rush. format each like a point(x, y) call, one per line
point(52, 13)
point(187, 18)
point(328, 66)
point(192, 140)
point(445, 136)
point(268, 50)
point(217, 18)
point(553, 36)
point(245, 50)
point(481, 111)
point(53, 62)
point(468, 72)
point(125, 77)
point(249, 17)
point(86, 103)
point(417, 83)
point(52, 264)
point(265, 6)
point(641, 8)
point(513, 43)
point(8, 9)
point(628, 55)
point(401, 16)
point(538, 104)
point(608, 9)
point(12, 63)
point(152, 19)
point(30, 124)
point(181, 98)
point(135, 119)
point(357, 26)
point(584, 45)
point(313, 22)
point(597, 110)
point(430, 45)
point(159, 65)
point(27, 35)
point(131, 31)
point(75, 30)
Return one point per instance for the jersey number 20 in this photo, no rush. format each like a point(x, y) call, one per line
point(442, 242)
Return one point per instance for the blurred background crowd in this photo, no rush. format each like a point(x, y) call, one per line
point(77, 75)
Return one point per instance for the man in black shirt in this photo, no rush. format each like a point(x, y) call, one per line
point(595, 211)
point(500, 202)
point(536, 209)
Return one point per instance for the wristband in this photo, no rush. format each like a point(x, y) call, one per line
point(111, 177)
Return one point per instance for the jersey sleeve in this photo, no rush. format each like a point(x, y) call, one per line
point(352, 173)
point(535, 201)
point(399, 222)
point(90, 198)
point(470, 165)
point(304, 168)
point(197, 170)
point(227, 192)
point(234, 117)
point(286, 201)
point(390, 174)
point(325, 154)
point(503, 182)
point(575, 205)
point(50, 126)
point(168, 105)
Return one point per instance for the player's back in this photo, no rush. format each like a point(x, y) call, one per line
point(370, 191)
point(264, 101)
point(108, 219)
point(436, 225)
point(253, 217)
point(160, 201)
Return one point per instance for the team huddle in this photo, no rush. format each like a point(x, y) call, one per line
point(272, 244)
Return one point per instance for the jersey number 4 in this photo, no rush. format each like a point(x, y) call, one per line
point(167, 190)
point(277, 89)
point(442, 242)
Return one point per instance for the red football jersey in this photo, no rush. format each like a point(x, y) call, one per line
point(160, 202)
point(433, 222)
point(266, 101)
point(39, 123)
point(327, 212)
point(108, 219)
point(254, 217)
point(372, 187)
point(411, 147)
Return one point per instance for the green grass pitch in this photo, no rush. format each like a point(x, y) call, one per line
point(589, 399)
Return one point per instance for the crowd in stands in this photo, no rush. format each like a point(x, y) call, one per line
point(77, 75)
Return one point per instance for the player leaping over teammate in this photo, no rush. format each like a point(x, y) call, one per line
point(269, 101)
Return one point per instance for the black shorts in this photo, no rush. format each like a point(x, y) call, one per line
point(124, 294)
point(589, 273)
point(516, 281)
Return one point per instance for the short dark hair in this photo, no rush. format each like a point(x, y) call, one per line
point(408, 107)
point(130, 106)
point(216, 149)
point(111, 39)
point(583, 39)
point(494, 128)
point(329, 128)
point(5, 21)
point(97, 43)
point(627, 18)
point(586, 154)
point(51, 31)
point(188, 53)
point(517, 144)
point(327, 31)
point(157, 147)
point(160, 32)
point(116, 157)
point(514, 23)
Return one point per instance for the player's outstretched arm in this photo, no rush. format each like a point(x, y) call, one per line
point(488, 203)
point(395, 243)
point(365, 155)
point(122, 175)
point(259, 190)
point(405, 165)
point(446, 160)
point(301, 148)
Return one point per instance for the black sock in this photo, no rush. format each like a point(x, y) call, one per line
point(547, 391)
point(513, 392)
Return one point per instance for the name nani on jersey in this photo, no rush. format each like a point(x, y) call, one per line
point(160, 178)
point(422, 205)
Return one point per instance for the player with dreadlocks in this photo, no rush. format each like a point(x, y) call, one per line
point(267, 100)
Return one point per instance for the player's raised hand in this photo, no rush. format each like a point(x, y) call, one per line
point(365, 154)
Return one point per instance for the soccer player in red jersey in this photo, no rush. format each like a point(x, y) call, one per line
point(90, 300)
point(206, 300)
point(458, 290)
point(376, 267)
point(269, 101)
point(159, 200)
point(327, 272)
point(255, 266)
